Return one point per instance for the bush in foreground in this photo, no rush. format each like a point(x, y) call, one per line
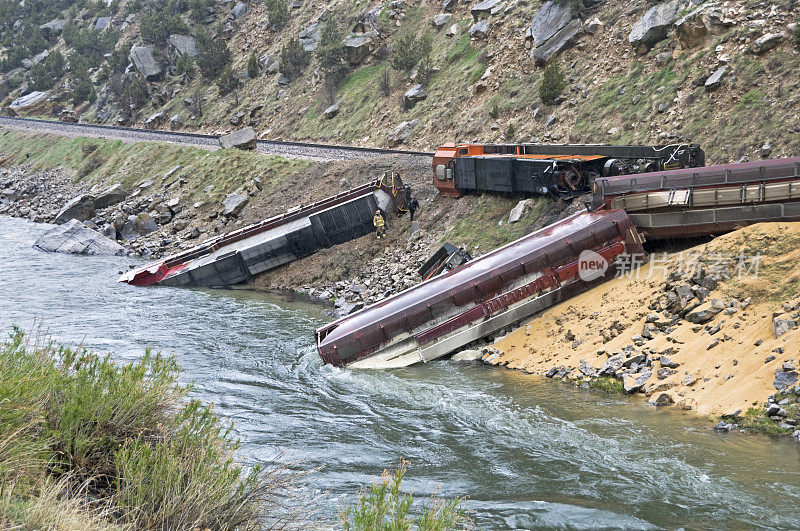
point(384, 507)
point(120, 445)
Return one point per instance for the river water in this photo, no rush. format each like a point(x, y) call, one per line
point(528, 452)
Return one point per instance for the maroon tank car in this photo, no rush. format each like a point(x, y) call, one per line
point(709, 200)
point(451, 311)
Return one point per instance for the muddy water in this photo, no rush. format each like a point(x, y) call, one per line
point(528, 452)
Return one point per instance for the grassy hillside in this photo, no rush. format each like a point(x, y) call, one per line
point(479, 88)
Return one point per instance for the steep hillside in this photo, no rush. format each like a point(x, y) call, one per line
point(633, 71)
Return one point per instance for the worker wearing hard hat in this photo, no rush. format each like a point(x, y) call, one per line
point(380, 225)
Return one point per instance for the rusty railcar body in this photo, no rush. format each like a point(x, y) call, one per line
point(558, 170)
point(709, 200)
point(235, 257)
point(450, 311)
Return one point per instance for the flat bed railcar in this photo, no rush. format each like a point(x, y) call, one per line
point(235, 257)
point(452, 310)
point(558, 170)
point(709, 200)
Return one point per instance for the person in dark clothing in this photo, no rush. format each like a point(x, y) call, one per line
point(412, 206)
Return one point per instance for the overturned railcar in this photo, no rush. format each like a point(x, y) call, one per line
point(497, 290)
point(558, 170)
point(235, 257)
point(709, 200)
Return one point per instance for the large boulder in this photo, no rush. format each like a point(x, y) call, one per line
point(552, 29)
point(331, 111)
point(142, 58)
point(239, 10)
point(414, 95)
point(483, 8)
point(715, 79)
point(81, 207)
point(234, 203)
point(360, 45)
point(102, 23)
point(766, 42)
point(691, 30)
point(242, 139)
point(784, 379)
point(155, 120)
point(110, 196)
point(480, 30)
point(400, 134)
point(137, 226)
point(310, 37)
point(30, 99)
point(634, 382)
point(53, 28)
point(75, 238)
point(781, 325)
point(654, 25)
point(441, 20)
point(40, 57)
point(183, 44)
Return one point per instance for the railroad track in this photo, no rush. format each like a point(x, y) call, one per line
point(302, 150)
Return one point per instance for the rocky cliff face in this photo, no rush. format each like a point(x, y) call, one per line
point(720, 74)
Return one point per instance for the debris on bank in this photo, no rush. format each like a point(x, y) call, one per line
point(684, 330)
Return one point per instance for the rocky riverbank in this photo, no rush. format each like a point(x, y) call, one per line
point(713, 329)
point(158, 199)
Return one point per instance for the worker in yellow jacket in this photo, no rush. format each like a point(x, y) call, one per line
point(380, 225)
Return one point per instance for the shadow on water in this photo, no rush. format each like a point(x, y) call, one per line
point(528, 452)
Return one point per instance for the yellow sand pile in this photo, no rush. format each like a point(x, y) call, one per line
point(720, 370)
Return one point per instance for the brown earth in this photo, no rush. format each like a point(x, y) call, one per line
point(728, 376)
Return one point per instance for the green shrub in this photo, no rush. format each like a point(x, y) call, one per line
point(609, 384)
point(120, 58)
point(198, 9)
point(89, 42)
point(81, 86)
point(277, 13)
point(135, 93)
point(227, 81)
point(294, 59)
point(212, 56)
point(383, 507)
point(332, 54)
point(552, 85)
point(252, 66)
point(494, 112)
point(408, 51)
point(124, 437)
point(385, 82)
point(45, 74)
point(157, 26)
point(185, 66)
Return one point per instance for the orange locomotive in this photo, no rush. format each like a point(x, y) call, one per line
point(558, 170)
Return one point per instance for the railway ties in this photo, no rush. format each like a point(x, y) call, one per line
point(289, 149)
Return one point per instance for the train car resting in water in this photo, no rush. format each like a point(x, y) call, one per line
point(453, 310)
point(235, 257)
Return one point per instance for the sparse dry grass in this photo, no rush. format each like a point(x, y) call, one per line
point(88, 444)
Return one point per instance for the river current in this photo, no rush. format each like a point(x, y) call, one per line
point(528, 452)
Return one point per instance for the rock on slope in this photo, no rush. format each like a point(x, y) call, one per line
point(73, 237)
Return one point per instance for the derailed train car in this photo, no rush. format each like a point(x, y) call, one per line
point(235, 257)
point(450, 311)
point(709, 200)
point(558, 170)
